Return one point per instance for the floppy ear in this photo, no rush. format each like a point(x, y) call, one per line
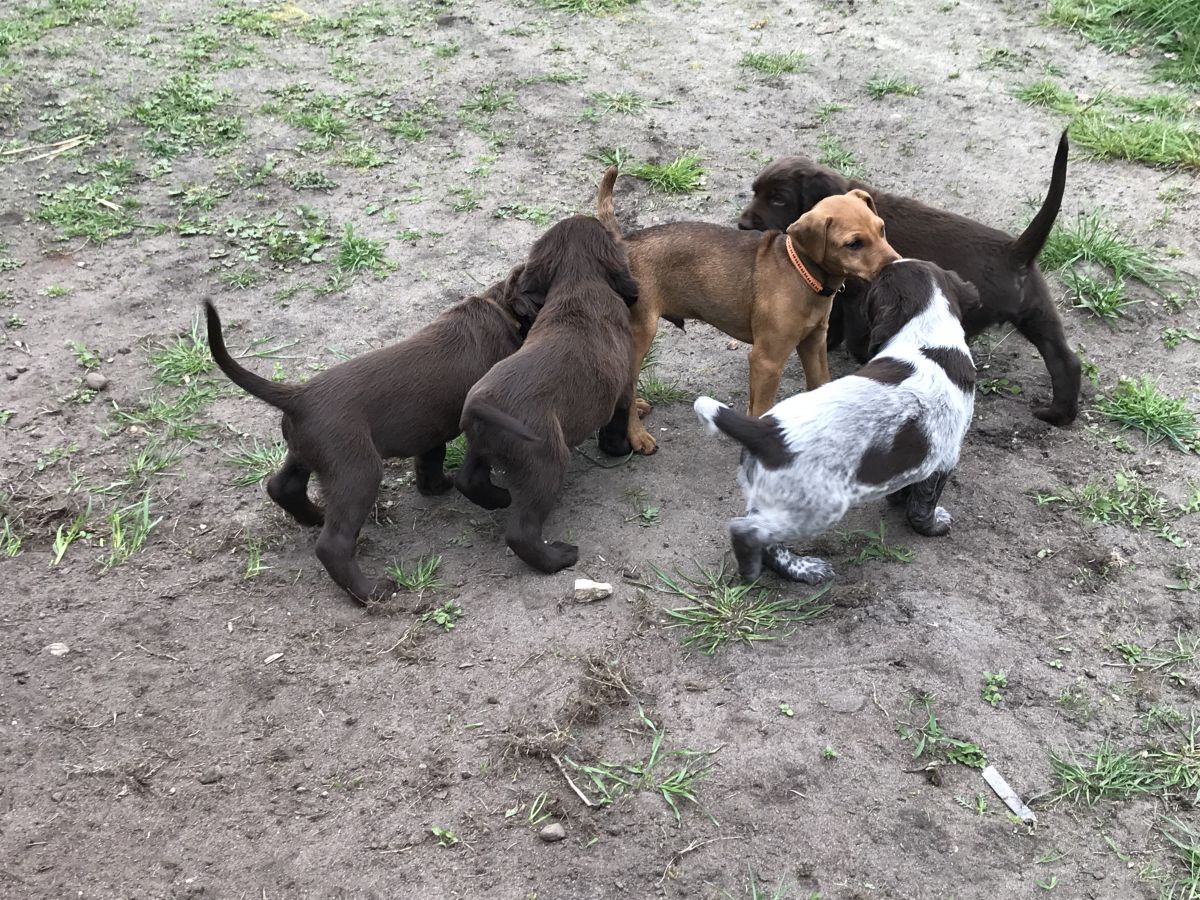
point(963, 296)
point(816, 186)
point(623, 283)
point(885, 317)
point(810, 233)
point(529, 294)
point(865, 198)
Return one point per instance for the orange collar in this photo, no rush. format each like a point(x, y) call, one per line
point(512, 320)
point(812, 282)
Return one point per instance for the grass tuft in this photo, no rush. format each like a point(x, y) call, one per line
point(256, 461)
point(1126, 502)
point(720, 612)
point(419, 577)
point(879, 88)
point(1091, 239)
point(589, 7)
point(834, 155)
point(1140, 405)
point(774, 63)
point(875, 547)
point(680, 176)
point(178, 117)
point(180, 362)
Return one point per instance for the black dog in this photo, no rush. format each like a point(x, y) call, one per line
point(403, 400)
point(570, 378)
point(1004, 269)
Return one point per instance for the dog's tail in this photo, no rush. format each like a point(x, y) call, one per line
point(496, 418)
point(281, 396)
point(762, 438)
point(605, 211)
point(1025, 249)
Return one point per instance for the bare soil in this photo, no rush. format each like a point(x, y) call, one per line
point(209, 733)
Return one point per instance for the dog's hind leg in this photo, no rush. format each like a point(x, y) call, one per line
point(614, 437)
point(748, 540)
point(643, 337)
point(349, 496)
point(537, 490)
point(1043, 328)
point(786, 564)
point(431, 478)
point(924, 515)
point(474, 481)
point(289, 488)
point(900, 497)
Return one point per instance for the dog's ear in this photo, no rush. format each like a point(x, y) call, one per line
point(810, 233)
point(963, 296)
point(623, 283)
point(529, 292)
point(816, 186)
point(885, 317)
point(865, 198)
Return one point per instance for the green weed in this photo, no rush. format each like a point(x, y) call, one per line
point(993, 683)
point(179, 117)
point(720, 612)
point(929, 738)
point(534, 214)
point(65, 536)
point(357, 253)
point(456, 452)
point(128, 529)
point(1140, 405)
point(10, 539)
point(679, 176)
point(421, 576)
point(1091, 239)
point(875, 547)
point(836, 156)
point(1127, 502)
point(589, 7)
point(445, 616)
point(879, 88)
point(95, 209)
point(1103, 297)
point(179, 362)
point(489, 99)
point(774, 63)
point(256, 461)
point(1047, 93)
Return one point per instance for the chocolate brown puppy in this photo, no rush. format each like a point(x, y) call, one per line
point(570, 378)
point(772, 290)
point(402, 400)
point(1003, 268)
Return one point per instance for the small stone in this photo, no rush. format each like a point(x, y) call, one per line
point(57, 796)
point(21, 370)
point(210, 776)
point(11, 374)
point(732, 345)
point(588, 591)
point(552, 833)
point(95, 381)
point(57, 649)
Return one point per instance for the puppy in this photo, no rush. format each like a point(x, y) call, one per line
point(403, 400)
point(773, 291)
point(894, 428)
point(1011, 289)
point(570, 378)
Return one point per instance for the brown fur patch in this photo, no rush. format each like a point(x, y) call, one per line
point(881, 464)
point(958, 366)
point(887, 370)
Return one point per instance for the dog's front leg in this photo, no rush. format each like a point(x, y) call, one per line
point(814, 357)
point(614, 436)
point(431, 477)
point(924, 515)
point(767, 359)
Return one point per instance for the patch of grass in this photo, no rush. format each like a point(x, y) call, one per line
point(66, 535)
point(445, 837)
point(1140, 405)
point(644, 514)
point(456, 452)
point(273, 239)
point(836, 156)
point(1126, 502)
point(679, 176)
point(1047, 93)
point(179, 117)
point(1091, 239)
point(181, 361)
point(418, 577)
point(625, 103)
point(413, 124)
point(490, 98)
point(1185, 843)
point(1157, 140)
point(1173, 337)
point(720, 612)
point(87, 359)
point(1104, 297)
point(360, 156)
point(445, 616)
point(255, 461)
point(879, 88)
point(95, 209)
point(356, 253)
point(930, 739)
point(534, 214)
point(10, 539)
point(1105, 774)
point(1171, 27)
point(774, 63)
point(993, 683)
point(676, 786)
point(177, 416)
point(987, 386)
point(465, 199)
point(128, 529)
point(589, 7)
point(875, 547)
point(311, 180)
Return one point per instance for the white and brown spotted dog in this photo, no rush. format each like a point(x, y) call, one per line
point(892, 429)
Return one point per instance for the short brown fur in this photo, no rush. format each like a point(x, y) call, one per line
point(745, 285)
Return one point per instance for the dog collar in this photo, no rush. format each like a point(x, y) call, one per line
point(509, 317)
point(808, 277)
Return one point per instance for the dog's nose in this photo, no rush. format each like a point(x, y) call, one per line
point(750, 222)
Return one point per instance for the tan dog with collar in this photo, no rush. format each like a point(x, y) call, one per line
point(768, 289)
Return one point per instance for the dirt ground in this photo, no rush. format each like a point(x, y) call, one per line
point(224, 722)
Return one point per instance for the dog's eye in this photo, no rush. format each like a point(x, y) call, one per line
point(779, 199)
point(855, 244)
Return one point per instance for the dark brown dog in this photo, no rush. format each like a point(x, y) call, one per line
point(570, 378)
point(774, 290)
point(1004, 269)
point(403, 400)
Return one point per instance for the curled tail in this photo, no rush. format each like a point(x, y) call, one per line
point(281, 396)
point(762, 438)
point(605, 211)
point(489, 415)
point(1025, 249)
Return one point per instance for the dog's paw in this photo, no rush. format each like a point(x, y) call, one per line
point(560, 555)
point(611, 445)
point(642, 406)
point(433, 487)
point(1060, 416)
point(937, 525)
point(643, 442)
point(804, 569)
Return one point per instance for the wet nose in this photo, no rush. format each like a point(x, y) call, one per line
point(750, 222)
